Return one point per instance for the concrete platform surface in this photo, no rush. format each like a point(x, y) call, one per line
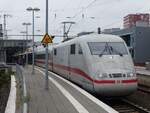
point(60, 98)
point(142, 71)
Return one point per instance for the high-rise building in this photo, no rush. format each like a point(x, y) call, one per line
point(139, 20)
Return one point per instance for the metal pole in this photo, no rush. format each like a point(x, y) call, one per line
point(33, 42)
point(64, 31)
point(4, 34)
point(26, 44)
point(46, 49)
point(5, 56)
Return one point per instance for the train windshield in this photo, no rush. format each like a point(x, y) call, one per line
point(107, 48)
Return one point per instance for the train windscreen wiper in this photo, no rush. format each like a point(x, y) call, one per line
point(104, 50)
point(114, 50)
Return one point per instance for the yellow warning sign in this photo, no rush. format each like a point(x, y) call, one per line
point(47, 39)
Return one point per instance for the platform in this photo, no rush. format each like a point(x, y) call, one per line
point(60, 98)
point(142, 70)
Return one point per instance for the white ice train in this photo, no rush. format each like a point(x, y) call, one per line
point(99, 63)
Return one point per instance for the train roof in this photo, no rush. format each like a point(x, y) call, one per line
point(100, 38)
point(81, 39)
point(93, 38)
point(41, 49)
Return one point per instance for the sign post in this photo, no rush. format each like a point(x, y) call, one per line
point(46, 50)
point(46, 40)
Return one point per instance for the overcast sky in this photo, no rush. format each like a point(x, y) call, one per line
point(106, 13)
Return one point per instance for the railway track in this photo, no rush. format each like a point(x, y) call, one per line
point(124, 106)
point(144, 88)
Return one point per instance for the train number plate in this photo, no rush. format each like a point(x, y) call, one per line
point(118, 81)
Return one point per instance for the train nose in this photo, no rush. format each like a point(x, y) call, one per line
point(116, 89)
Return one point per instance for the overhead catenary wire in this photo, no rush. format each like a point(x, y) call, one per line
point(91, 3)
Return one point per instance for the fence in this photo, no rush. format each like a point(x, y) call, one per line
point(22, 86)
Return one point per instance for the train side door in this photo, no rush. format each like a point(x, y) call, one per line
point(51, 60)
point(60, 61)
point(86, 83)
point(63, 59)
point(75, 64)
point(66, 60)
point(69, 69)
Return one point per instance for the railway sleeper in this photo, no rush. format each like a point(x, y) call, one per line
point(140, 108)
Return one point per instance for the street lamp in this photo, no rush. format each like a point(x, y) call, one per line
point(26, 25)
point(32, 10)
point(5, 31)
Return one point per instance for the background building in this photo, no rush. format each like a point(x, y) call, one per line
point(138, 42)
point(107, 31)
point(8, 48)
point(139, 20)
point(136, 34)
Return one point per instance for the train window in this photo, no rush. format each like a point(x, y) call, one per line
point(80, 50)
point(55, 51)
point(107, 48)
point(40, 56)
point(98, 48)
point(72, 49)
point(117, 48)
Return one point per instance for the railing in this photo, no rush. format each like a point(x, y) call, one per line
point(22, 86)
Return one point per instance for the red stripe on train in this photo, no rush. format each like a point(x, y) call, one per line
point(82, 73)
point(129, 81)
point(104, 81)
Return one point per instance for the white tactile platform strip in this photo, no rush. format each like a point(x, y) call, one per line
point(11, 103)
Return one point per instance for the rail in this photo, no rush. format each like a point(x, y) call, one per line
point(125, 106)
point(144, 88)
point(22, 85)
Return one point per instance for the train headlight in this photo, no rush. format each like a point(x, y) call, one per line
point(103, 75)
point(100, 76)
point(130, 74)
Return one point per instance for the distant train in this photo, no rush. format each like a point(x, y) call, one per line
point(99, 63)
